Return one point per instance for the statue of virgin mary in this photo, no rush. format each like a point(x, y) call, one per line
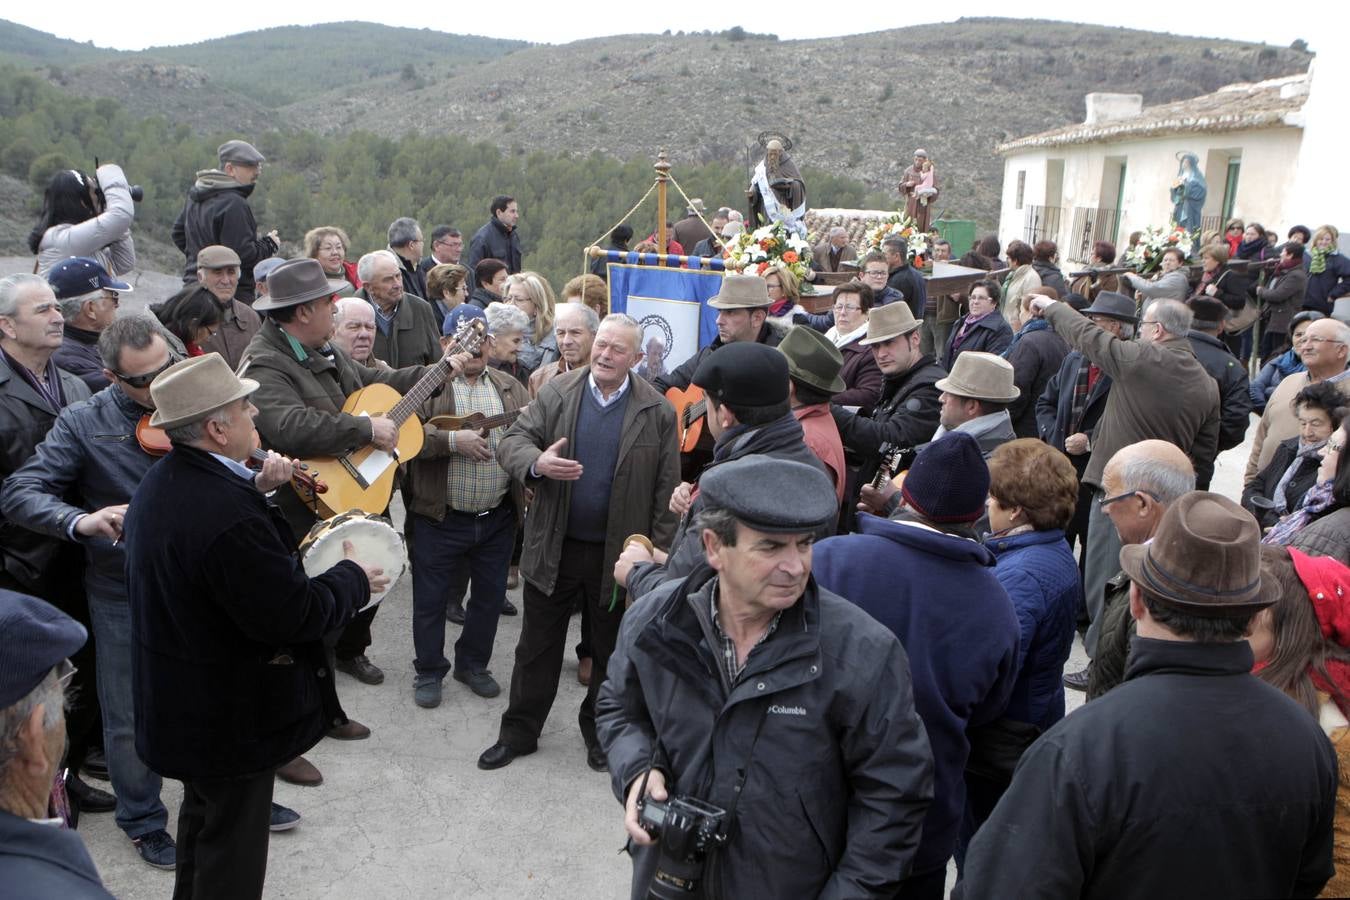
point(1188, 193)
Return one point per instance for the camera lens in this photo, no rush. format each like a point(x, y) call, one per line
point(137, 193)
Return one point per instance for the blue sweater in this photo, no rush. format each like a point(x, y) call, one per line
point(938, 594)
point(599, 429)
point(1038, 571)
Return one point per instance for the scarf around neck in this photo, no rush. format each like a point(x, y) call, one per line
point(1319, 260)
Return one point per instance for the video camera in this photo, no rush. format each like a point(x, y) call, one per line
point(685, 828)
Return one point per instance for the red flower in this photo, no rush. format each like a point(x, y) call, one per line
point(762, 268)
point(790, 256)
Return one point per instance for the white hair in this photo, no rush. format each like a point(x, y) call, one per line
point(345, 303)
point(365, 266)
point(50, 696)
point(626, 321)
point(71, 306)
point(11, 285)
point(589, 317)
point(504, 318)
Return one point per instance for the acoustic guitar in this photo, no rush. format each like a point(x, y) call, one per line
point(364, 479)
point(474, 421)
point(691, 408)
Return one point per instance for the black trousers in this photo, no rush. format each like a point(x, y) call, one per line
point(543, 640)
point(222, 838)
point(355, 638)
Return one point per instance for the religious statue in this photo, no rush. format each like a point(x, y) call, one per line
point(919, 187)
point(1188, 193)
point(777, 192)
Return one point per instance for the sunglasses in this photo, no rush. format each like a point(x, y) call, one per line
point(140, 381)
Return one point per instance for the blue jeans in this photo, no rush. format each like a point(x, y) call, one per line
point(139, 809)
point(443, 552)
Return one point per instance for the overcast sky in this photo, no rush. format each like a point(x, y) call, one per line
point(135, 26)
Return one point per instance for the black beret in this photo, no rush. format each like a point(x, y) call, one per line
point(745, 374)
point(755, 489)
point(36, 637)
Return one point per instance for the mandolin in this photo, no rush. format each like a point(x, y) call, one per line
point(364, 479)
point(474, 421)
point(155, 441)
point(691, 408)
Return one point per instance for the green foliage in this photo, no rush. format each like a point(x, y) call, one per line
point(362, 182)
point(887, 93)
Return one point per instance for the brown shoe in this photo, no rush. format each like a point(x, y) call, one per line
point(352, 731)
point(584, 670)
point(513, 578)
point(300, 771)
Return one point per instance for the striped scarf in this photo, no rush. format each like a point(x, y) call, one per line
point(1078, 405)
point(1319, 259)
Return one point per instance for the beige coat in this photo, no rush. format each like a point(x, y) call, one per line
point(646, 473)
point(1021, 280)
point(233, 337)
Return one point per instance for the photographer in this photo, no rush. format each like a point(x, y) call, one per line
point(83, 216)
point(798, 769)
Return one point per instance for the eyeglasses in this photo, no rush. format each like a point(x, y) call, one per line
point(1334, 447)
point(1234, 227)
point(872, 273)
point(140, 381)
point(1312, 339)
point(847, 307)
point(1107, 501)
point(65, 672)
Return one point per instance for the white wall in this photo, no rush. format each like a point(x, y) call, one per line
point(1321, 193)
point(1264, 184)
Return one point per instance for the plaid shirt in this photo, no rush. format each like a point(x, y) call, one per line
point(472, 486)
point(731, 666)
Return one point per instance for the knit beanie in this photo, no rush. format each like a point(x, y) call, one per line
point(1327, 581)
point(948, 482)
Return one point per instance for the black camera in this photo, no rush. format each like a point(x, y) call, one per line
point(685, 829)
point(137, 192)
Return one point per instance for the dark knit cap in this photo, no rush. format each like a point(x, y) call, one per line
point(949, 481)
point(755, 489)
point(745, 374)
point(1210, 312)
point(36, 637)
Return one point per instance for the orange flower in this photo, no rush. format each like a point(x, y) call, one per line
point(763, 267)
point(790, 256)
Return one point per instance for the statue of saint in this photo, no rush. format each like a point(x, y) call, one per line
point(1188, 193)
point(919, 187)
point(777, 192)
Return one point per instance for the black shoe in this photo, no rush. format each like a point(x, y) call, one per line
point(509, 608)
point(454, 612)
point(91, 799)
point(1078, 681)
point(498, 756)
point(95, 764)
point(362, 669)
point(481, 682)
point(283, 818)
point(595, 758)
point(157, 849)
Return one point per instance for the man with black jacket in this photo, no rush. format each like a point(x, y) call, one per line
point(749, 687)
point(217, 212)
point(1235, 397)
point(498, 238)
point(908, 412)
point(904, 277)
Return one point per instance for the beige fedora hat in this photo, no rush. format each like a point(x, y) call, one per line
point(889, 321)
point(194, 388)
point(981, 376)
point(741, 292)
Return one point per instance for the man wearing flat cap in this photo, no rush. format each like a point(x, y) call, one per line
point(39, 856)
point(218, 270)
point(230, 676)
point(748, 413)
point(217, 212)
point(1235, 395)
point(1191, 779)
point(748, 686)
point(742, 307)
point(922, 575)
point(1158, 390)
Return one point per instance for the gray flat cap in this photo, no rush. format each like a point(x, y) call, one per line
point(241, 152)
point(36, 636)
point(756, 490)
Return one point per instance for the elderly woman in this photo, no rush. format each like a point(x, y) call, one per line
point(507, 326)
point(447, 287)
point(328, 244)
point(1279, 487)
point(982, 328)
point(1032, 492)
point(784, 292)
point(1169, 284)
point(1300, 645)
point(531, 294)
point(1022, 279)
point(862, 378)
point(1328, 271)
point(489, 283)
point(1327, 498)
point(78, 220)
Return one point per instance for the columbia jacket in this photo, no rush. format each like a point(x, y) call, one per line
point(217, 212)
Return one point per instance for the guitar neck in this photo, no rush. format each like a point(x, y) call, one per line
point(425, 387)
point(505, 418)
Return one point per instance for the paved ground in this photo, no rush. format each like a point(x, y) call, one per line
point(407, 813)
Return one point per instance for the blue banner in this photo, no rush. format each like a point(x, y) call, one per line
point(671, 304)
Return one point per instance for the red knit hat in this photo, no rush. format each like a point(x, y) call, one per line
point(1328, 584)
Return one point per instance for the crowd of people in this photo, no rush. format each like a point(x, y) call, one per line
point(824, 650)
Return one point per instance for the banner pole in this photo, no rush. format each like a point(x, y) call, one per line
point(662, 167)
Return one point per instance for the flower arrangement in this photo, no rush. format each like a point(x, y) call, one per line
point(897, 225)
point(1146, 255)
point(772, 246)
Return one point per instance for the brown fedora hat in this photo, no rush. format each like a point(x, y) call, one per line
point(1205, 559)
point(298, 281)
point(981, 376)
point(889, 321)
point(741, 292)
point(194, 388)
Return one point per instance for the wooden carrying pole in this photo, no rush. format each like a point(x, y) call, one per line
point(662, 167)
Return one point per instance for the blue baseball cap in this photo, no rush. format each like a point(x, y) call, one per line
point(80, 275)
point(36, 636)
point(265, 267)
point(459, 314)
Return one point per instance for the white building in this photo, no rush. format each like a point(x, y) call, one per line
point(1263, 159)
